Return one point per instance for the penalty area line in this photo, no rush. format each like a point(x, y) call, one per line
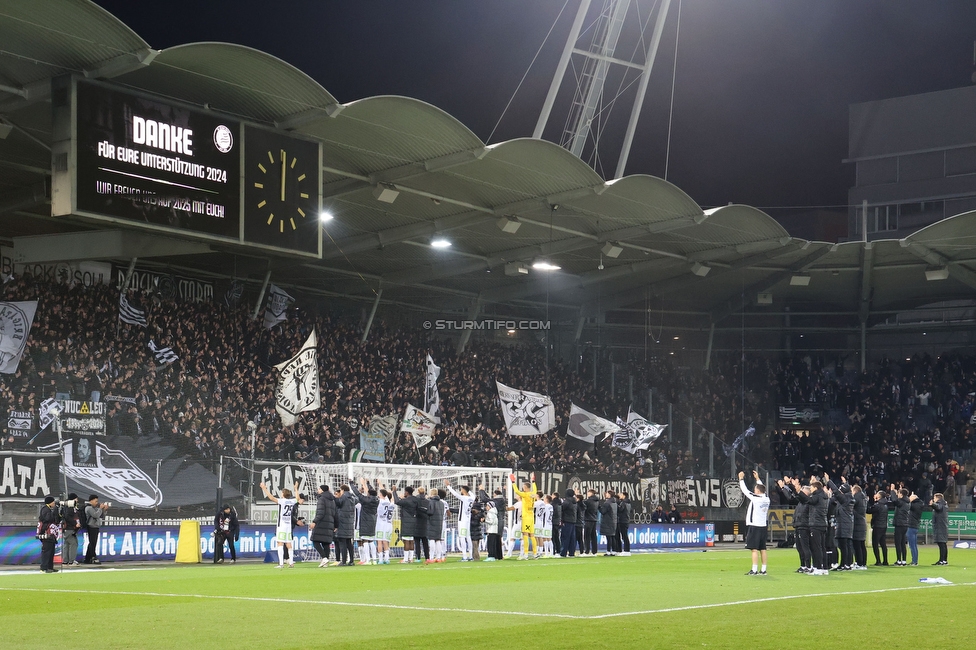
point(301, 601)
point(771, 599)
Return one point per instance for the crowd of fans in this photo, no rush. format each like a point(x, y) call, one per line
point(896, 423)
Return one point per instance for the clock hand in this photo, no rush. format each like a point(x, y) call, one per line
point(283, 158)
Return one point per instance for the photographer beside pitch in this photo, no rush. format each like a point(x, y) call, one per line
point(48, 520)
point(93, 518)
point(756, 521)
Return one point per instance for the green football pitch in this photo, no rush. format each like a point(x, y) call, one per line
point(661, 600)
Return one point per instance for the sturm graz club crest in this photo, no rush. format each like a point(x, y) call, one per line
point(525, 411)
point(732, 494)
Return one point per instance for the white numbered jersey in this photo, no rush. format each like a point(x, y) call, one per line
point(285, 508)
point(384, 513)
point(465, 514)
point(540, 513)
point(547, 516)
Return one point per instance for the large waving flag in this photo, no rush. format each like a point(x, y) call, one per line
point(526, 413)
point(15, 323)
point(298, 385)
point(584, 427)
point(419, 424)
point(636, 433)
point(432, 398)
point(129, 314)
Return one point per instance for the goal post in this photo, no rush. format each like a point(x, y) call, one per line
point(311, 475)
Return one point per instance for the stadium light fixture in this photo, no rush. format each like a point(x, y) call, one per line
point(516, 268)
point(509, 224)
point(612, 249)
point(700, 269)
point(800, 281)
point(933, 275)
point(325, 216)
point(440, 242)
point(385, 193)
point(544, 265)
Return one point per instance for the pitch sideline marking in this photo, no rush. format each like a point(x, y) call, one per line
point(459, 610)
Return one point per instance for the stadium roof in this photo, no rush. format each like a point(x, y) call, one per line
point(448, 183)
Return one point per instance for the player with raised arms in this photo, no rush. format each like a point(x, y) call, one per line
point(283, 531)
point(527, 496)
point(464, 519)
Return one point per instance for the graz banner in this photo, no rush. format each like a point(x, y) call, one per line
point(279, 476)
point(27, 476)
point(81, 418)
point(20, 424)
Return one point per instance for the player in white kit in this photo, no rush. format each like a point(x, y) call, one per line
point(464, 519)
point(283, 531)
point(384, 526)
point(543, 527)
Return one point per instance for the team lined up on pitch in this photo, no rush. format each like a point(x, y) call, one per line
point(544, 525)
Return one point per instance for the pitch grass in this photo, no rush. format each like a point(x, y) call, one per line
point(673, 600)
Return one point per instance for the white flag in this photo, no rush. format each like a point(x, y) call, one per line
point(585, 426)
point(277, 308)
point(636, 433)
point(526, 413)
point(129, 314)
point(298, 384)
point(15, 323)
point(49, 410)
point(419, 424)
point(163, 355)
point(432, 398)
point(387, 426)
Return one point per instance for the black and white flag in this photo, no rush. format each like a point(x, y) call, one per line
point(526, 413)
point(163, 355)
point(419, 424)
point(432, 398)
point(739, 442)
point(50, 408)
point(636, 434)
point(298, 385)
point(584, 427)
point(15, 324)
point(233, 295)
point(129, 314)
point(277, 309)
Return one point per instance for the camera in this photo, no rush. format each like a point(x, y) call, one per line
point(69, 504)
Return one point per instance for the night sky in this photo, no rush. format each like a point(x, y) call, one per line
point(762, 86)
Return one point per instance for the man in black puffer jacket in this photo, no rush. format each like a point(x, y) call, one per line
point(915, 506)
point(801, 523)
point(817, 517)
point(476, 531)
point(408, 521)
point(608, 521)
point(423, 517)
point(879, 528)
point(557, 520)
point(860, 527)
point(345, 525)
point(590, 509)
point(844, 531)
point(567, 533)
point(898, 501)
point(324, 523)
point(625, 510)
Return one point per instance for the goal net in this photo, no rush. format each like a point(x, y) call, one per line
point(309, 476)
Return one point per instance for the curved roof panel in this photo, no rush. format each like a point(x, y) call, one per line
point(233, 79)
point(58, 36)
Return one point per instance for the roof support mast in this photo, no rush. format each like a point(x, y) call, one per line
point(584, 115)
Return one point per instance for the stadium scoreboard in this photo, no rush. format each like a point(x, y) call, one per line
point(141, 161)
